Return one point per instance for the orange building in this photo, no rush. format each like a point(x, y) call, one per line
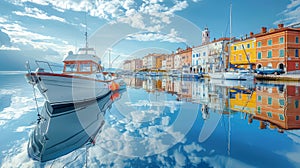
point(186, 57)
point(159, 60)
point(278, 48)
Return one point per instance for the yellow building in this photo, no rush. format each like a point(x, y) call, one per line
point(238, 52)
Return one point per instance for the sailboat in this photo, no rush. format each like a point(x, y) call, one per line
point(239, 74)
point(82, 79)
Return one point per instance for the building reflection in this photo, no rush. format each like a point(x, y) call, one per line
point(278, 106)
point(274, 106)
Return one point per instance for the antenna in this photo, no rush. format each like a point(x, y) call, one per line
point(86, 34)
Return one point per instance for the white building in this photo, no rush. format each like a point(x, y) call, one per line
point(164, 64)
point(177, 62)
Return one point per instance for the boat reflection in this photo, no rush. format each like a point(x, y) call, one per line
point(274, 105)
point(63, 129)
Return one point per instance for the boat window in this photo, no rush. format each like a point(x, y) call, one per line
point(70, 68)
point(85, 67)
point(94, 67)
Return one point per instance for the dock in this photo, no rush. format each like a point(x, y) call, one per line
point(283, 77)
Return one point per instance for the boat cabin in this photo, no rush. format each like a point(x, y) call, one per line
point(84, 62)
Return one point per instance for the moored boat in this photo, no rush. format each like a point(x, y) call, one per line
point(82, 79)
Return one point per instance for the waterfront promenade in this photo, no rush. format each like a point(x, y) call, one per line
point(283, 77)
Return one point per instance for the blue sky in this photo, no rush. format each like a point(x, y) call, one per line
point(48, 29)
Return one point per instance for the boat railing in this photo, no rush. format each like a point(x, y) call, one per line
point(47, 67)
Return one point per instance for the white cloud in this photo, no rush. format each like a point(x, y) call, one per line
point(172, 37)
point(3, 47)
point(38, 14)
point(291, 13)
point(150, 15)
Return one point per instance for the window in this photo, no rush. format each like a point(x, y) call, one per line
point(281, 53)
point(193, 55)
point(258, 109)
point(234, 48)
point(281, 117)
point(297, 117)
point(204, 53)
point(71, 68)
point(85, 67)
point(296, 103)
point(297, 65)
point(259, 44)
point(297, 40)
point(269, 100)
point(240, 57)
point(259, 98)
point(281, 102)
point(94, 67)
point(270, 42)
point(197, 55)
point(259, 55)
point(248, 45)
point(270, 54)
point(296, 53)
point(281, 40)
point(269, 114)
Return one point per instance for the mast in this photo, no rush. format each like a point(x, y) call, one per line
point(86, 35)
point(230, 38)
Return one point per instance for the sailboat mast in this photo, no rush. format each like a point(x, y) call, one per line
point(230, 38)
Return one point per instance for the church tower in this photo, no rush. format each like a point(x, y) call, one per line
point(205, 36)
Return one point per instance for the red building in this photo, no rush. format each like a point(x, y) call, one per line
point(278, 48)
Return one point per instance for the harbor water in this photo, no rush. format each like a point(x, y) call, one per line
point(155, 122)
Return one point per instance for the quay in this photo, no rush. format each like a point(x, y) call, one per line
point(283, 77)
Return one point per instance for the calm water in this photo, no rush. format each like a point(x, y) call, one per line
point(156, 123)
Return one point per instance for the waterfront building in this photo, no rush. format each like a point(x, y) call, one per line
point(170, 61)
point(136, 64)
point(210, 57)
point(279, 48)
point(127, 65)
point(218, 54)
point(200, 58)
point(159, 59)
point(177, 60)
point(164, 64)
point(243, 52)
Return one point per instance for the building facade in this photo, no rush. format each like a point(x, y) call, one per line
point(243, 53)
point(279, 48)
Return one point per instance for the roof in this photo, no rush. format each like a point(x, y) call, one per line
point(84, 54)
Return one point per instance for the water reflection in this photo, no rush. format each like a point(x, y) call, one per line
point(63, 129)
point(275, 105)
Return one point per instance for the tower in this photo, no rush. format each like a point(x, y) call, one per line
point(205, 36)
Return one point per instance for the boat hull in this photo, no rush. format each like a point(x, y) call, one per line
point(238, 76)
point(64, 89)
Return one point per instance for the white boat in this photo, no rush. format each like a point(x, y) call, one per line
point(82, 79)
point(239, 75)
point(216, 75)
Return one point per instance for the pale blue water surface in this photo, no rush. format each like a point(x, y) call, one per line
point(156, 122)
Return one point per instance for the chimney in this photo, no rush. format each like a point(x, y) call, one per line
point(263, 30)
point(251, 34)
point(280, 26)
